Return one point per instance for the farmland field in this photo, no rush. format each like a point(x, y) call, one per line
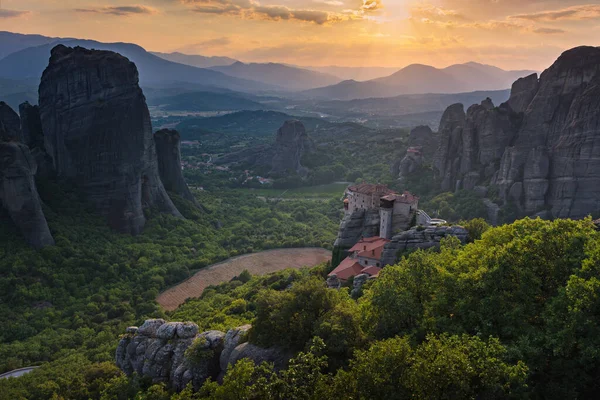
point(256, 263)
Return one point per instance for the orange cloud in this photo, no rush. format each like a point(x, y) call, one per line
point(119, 10)
point(575, 13)
point(4, 13)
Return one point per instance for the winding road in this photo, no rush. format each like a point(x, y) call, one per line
point(17, 372)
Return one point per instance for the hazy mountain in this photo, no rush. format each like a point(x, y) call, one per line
point(354, 73)
point(31, 62)
point(12, 42)
point(205, 101)
point(419, 79)
point(195, 60)
point(288, 77)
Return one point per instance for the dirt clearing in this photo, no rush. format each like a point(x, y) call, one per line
point(256, 263)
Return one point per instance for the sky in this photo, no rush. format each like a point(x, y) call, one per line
point(511, 34)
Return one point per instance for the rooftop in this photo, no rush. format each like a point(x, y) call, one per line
point(369, 244)
point(406, 198)
point(369, 189)
point(347, 269)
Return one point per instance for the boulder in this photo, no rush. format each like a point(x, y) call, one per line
point(97, 130)
point(231, 341)
point(258, 355)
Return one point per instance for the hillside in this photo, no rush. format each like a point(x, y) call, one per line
point(195, 60)
point(421, 79)
point(13, 42)
point(287, 77)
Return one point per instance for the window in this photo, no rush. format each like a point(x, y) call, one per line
point(366, 262)
point(378, 264)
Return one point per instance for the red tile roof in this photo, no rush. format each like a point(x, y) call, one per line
point(373, 271)
point(369, 189)
point(374, 253)
point(369, 244)
point(347, 268)
point(406, 198)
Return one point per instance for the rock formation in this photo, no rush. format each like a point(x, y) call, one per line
point(541, 148)
point(97, 131)
point(291, 144)
point(10, 124)
point(19, 195)
point(419, 145)
point(175, 353)
point(33, 135)
point(420, 238)
point(168, 152)
point(361, 223)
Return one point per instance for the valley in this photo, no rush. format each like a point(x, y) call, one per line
point(184, 227)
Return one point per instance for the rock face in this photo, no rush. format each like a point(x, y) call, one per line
point(361, 223)
point(541, 148)
point(33, 135)
point(419, 238)
point(176, 354)
point(421, 146)
point(290, 145)
point(19, 195)
point(168, 152)
point(97, 131)
point(10, 124)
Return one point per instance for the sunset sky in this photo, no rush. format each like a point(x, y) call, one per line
point(513, 34)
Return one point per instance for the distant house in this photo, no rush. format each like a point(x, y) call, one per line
point(364, 258)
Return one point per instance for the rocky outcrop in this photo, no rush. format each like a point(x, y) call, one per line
point(357, 284)
point(33, 135)
point(420, 238)
point(361, 223)
point(10, 124)
point(421, 147)
point(19, 195)
point(175, 353)
point(472, 144)
point(97, 131)
point(541, 148)
point(522, 93)
point(291, 144)
point(168, 152)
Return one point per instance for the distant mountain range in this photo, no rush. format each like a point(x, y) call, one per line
point(195, 60)
point(205, 101)
point(31, 62)
point(284, 76)
point(354, 73)
point(12, 42)
point(420, 79)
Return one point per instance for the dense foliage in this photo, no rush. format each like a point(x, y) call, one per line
point(76, 298)
point(513, 314)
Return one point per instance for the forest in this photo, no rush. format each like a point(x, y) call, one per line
point(513, 314)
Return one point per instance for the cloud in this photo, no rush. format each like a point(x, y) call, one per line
point(548, 31)
point(12, 13)
point(431, 12)
point(575, 13)
point(119, 10)
point(371, 5)
point(253, 9)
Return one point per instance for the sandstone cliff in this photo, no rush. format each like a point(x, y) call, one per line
point(291, 144)
point(10, 124)
point(33, 135)
point(97, 131)
point(420, 238)
point(421, 146)
point(19, 195)
point(168, 152)
point(541, 149)
point(175, 353)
